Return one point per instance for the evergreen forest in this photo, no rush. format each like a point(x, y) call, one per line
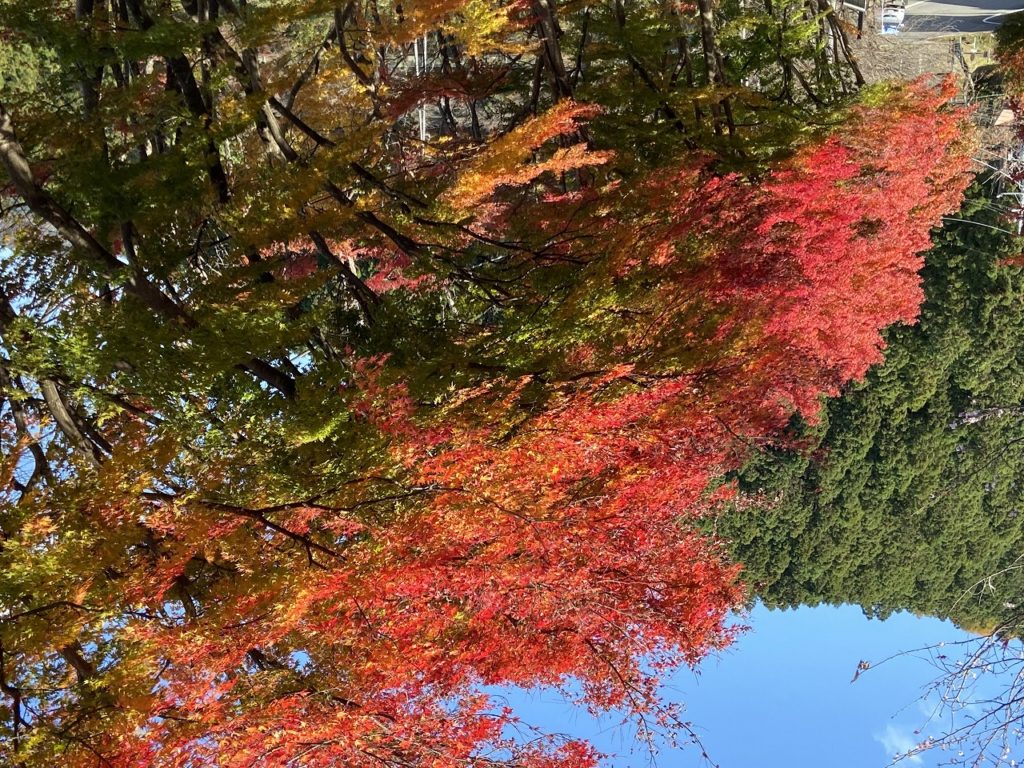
point(905, 494)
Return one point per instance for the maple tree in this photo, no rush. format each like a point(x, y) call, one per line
point(1010, 56)
point(313, 427)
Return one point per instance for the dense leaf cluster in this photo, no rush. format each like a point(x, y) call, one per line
point(338, 382)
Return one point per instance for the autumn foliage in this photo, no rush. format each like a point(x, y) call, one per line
point(332, 436)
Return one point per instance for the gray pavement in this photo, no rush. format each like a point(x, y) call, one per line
point(928, 18)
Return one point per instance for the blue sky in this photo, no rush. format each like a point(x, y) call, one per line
point(781, 697)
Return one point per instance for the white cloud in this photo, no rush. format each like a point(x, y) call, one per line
point(898, 740)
